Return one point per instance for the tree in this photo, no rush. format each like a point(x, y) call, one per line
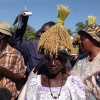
point(81, 25)
point(69, 31)
point(29, 33)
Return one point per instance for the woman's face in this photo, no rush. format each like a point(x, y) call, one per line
point(54, 65)
point(85, 43)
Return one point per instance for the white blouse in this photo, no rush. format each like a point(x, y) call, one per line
point(72, 90)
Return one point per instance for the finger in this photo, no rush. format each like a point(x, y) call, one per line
point(94, 81)
point(87, 88)
point(96, 88)
point(95, 74)
point(95, 92)
point(89, 84)
point(98, 91)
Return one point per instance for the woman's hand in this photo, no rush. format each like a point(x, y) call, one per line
point(92, 86)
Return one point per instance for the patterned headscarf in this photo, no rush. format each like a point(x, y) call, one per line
point(92, 29)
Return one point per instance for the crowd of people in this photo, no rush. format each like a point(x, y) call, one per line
point(47, 67)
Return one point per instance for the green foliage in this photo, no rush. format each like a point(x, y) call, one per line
point(69, 31)
point(81, 25)
point(14, 28)
point(29, 33)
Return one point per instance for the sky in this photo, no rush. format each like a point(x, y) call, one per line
point(46, 10)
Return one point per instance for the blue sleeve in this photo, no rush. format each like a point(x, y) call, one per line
point(17, 40)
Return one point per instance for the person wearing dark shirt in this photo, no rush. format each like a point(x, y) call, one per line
point(28, 48)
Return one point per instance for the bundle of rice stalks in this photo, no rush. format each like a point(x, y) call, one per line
point(56, 36)
point(76, 38)
point(91, 19)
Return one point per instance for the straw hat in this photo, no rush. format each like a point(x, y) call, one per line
point(5, 28)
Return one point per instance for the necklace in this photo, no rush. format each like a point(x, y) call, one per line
point(55, 97)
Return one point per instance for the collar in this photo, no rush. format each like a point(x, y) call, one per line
point(88, 58)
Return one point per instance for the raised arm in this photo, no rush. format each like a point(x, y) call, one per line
point(19, 33)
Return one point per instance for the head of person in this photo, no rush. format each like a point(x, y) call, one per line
point(43, 29)
point(5, 94)
point(46, 26)
point(90, 37)
point(76, 42)
point(5, 32)
point(56, 45)
point(38, 34)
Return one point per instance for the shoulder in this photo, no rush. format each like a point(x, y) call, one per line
point(75, 80)
point(33, 83)
point(97, 57)
point(13, 51)
point(82, 56)
point(79, 62)
point(76, 87)
point(31, 87)
point(34, 41)
point(33, 80)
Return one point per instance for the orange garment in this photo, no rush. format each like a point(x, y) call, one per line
point(12, 60)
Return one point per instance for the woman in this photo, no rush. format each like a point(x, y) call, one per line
point(56, 83)
point(53, 80)
point(88, 67)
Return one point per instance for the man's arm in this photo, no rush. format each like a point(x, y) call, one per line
point(17, 40)
point(10, 75)
point(18, 72)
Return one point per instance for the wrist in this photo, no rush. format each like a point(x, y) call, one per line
point(4, 73)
